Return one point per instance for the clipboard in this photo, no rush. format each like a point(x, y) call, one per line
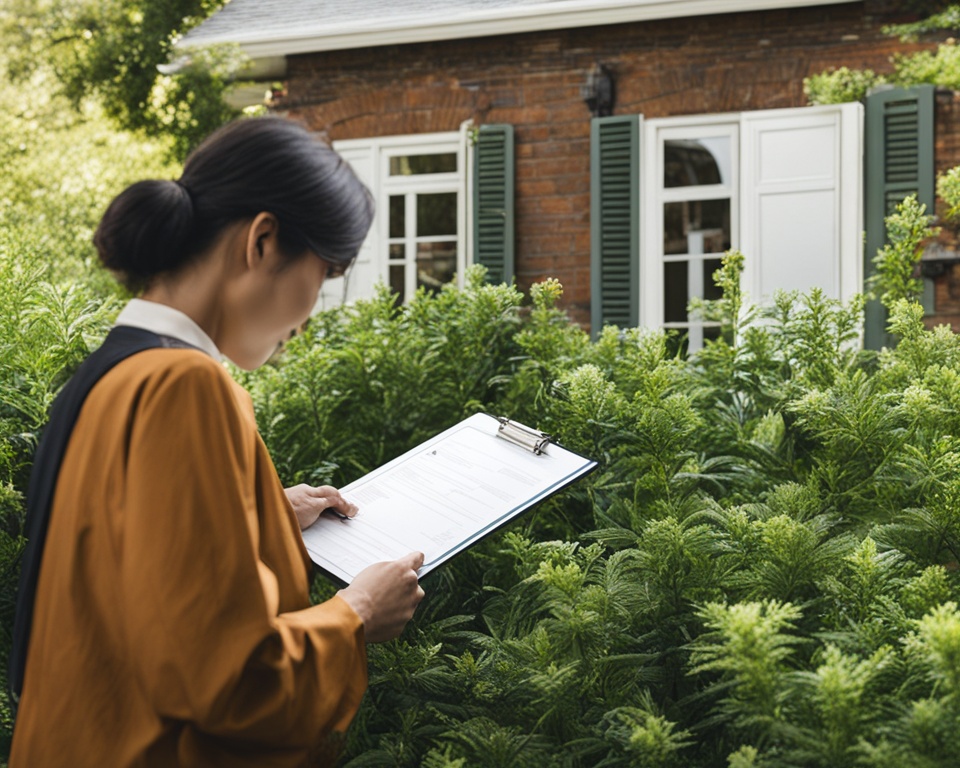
point(443, 496)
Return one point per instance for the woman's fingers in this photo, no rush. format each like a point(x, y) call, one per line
point(385, 596)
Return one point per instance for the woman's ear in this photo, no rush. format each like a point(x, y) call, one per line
point(262, 247)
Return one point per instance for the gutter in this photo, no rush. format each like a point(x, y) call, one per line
point(273, 48)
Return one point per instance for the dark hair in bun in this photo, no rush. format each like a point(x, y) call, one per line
point(249, 166)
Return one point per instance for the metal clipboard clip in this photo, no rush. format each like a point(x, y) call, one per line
point(518, 434)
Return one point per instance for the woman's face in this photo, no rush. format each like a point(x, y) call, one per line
point(277, 300)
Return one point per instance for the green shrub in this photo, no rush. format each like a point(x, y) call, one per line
point(771, 519)
point(940, 67)
point(948, 189)
point(45, 331)
point(935, 67)
point(907, 229)
point(365, 383)
point(762, 572)
point(840, 85)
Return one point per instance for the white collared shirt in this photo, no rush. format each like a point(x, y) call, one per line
point(167, 321)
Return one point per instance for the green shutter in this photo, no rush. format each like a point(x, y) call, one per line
point(899, 162)
point(493, 209)
point(614, 221)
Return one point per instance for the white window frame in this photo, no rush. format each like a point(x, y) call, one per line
point(744, 206)
point(653, 196)
point(380, 150)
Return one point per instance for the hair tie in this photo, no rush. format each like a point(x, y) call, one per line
point(184, 188)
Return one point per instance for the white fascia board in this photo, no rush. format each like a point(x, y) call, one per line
point(503, 21)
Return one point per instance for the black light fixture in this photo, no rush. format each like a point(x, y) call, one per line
point(597, 93)
point(937, 260)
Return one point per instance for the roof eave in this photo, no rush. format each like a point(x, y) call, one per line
point(376, 33)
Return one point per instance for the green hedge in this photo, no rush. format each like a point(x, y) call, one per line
point(763, 572)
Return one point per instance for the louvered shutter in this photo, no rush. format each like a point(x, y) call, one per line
point(899, 162)
point(493, 208)
point(614, 221)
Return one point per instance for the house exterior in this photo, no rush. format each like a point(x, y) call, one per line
point(620, 147)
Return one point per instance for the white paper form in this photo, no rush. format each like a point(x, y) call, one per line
point(439, 498)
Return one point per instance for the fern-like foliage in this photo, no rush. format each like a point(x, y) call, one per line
point(761, 572)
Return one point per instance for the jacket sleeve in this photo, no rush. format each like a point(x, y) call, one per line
point(200, 605)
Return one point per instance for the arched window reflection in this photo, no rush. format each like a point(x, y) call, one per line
point(694, 163)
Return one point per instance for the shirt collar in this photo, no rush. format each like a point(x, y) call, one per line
point(167, 321)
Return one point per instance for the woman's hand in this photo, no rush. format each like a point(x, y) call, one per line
point(385, 595)
point(309, 501)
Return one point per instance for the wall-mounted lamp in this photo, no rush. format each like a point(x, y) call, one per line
point(937, 264)
point(937, 260)
point(597, 93)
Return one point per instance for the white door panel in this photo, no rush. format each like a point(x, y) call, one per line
point(801, 216)
point(798, 252)
point(365, 272)
point(796, 154)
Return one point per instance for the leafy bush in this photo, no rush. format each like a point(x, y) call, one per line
point(762, 572)
point(948, 190)
point(840, 85)
point(907, 229)
point(362, 385)
point(61, 169)
point(112, 52)
point(935, 67)
point(940, 67)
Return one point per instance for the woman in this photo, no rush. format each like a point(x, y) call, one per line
point(164, 617)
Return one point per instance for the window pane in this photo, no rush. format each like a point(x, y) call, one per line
point(437, 214)
point(684, 280)
point(397, 281)
point(696, 226)
point(397, 215)
point(711, 290)
point(436, 264)
point(675, 291)
point(397, 251)
point(413, 165)
point(690, 163)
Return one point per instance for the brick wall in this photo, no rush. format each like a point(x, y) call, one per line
point(947, 153)
point(709, 64)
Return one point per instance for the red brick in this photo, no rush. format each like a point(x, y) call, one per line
point(536, 187)
point(552, 205)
